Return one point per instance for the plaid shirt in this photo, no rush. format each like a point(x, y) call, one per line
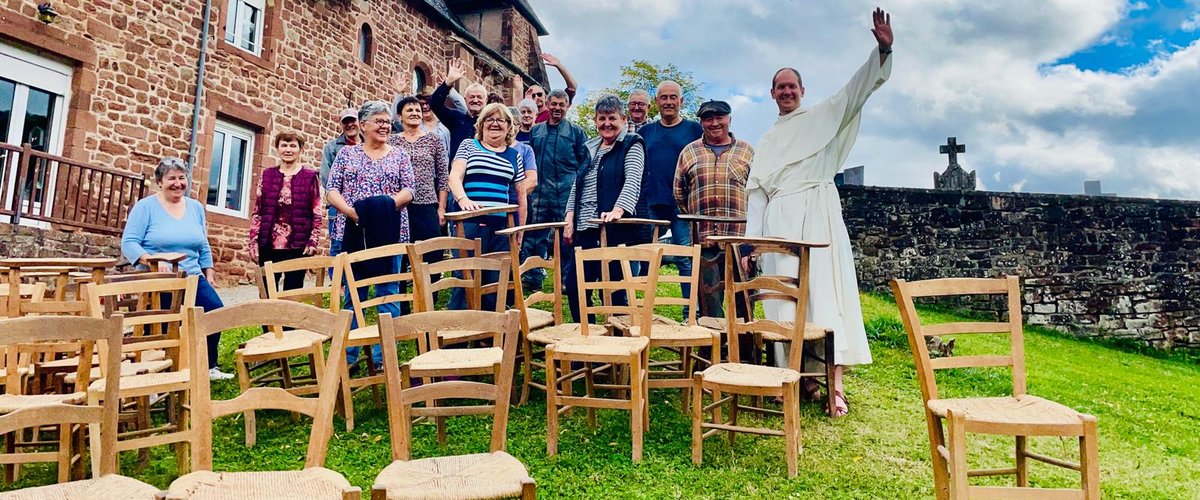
point(632, 128)
point(712, 185)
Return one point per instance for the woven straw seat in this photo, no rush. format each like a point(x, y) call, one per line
point(538, 318)
point(154, 355)
point(267, 343)
point(622, 322)
point(127, 369)
point(749, 375)
point(13, 402)
point(712, 323)
point(457, 359)
point(22, 371)
point(65, 363)
point(601, 346)
point(132, 384)
point(676, 333)
point(557, 333)
point(811, 332)
point(1024, 409)
point(450, 337)
point(363, 333)
point(314, 483)
point(110, 486)
point(479, 475)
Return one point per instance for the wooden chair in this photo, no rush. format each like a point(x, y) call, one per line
point(655, 225)
point(314, 481)
point(67, 274)
point(685, 339)
point(465, 273)
point(267, 359)
point(482, 475)
point(1020, 415)
point(532, 319)
point(460, 248)
point(737, 379)
point(67, 411)
point(158, 364)
point(366, 336)
point(731, 226)
point(629, 352)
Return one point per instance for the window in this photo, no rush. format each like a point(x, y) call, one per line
point(33, 102)
point(418, 80)
point(229, 170)
point(366, 44)
point(244, 24)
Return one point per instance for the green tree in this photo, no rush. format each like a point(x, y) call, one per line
point(641, 74)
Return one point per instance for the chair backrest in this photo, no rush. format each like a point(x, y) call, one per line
point(790, 289)
point(87, 334)
point(325, 293)
point(424, 327)
point(552, 265)
point(686, 302)
point(153, 313)
point(464, 271)
point(353, 268)
point(721, 225)
point(267, 312)
point(1009, 286)
point(640, 312)
point(656, 225)
point(35, 292)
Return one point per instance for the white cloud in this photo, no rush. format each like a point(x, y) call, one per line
point(1191, 24)
point(986, 72)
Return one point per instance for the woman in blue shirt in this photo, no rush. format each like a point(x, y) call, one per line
point(169, 221)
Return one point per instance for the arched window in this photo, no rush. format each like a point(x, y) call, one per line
point(418, 80)
point(366, 44)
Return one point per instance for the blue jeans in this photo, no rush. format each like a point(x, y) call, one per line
point(207, 299)
point(681, 234)
point(392, 308)
point(489, 242)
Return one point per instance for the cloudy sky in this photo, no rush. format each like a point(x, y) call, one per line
point(1044, 93)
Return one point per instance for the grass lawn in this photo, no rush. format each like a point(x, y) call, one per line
point(1148, 410)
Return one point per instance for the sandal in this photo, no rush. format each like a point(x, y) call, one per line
point(839, 410)
point(811, 391)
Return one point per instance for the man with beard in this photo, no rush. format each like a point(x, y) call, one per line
point(461, 125)
point(790, 194)
point(538, 93)
point(560, 149)
point(710, 180)
point(639, 110)
point(665, 139)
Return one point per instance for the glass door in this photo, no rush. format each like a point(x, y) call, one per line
point(33, 94)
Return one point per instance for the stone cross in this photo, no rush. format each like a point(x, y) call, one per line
point(954, 178)
point(953, 148)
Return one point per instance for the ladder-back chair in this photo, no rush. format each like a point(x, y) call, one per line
point(1020, 415)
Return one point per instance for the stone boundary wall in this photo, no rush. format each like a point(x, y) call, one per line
point(26, 241)
point(1092, 266)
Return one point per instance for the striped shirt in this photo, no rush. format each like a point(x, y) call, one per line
point(713, 183)
point(635, 161)
point(489, 175)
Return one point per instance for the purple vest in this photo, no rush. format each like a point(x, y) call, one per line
point(299, 217)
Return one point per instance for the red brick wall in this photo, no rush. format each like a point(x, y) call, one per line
point(136, 71)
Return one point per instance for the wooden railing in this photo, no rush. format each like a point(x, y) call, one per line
point(43, 187)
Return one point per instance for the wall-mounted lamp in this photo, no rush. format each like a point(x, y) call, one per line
point(46, 13)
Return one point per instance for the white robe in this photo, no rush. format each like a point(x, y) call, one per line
point(790, 194)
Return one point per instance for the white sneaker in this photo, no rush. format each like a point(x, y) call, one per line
point(215, 373)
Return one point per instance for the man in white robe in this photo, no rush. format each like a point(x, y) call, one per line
point(790, 194)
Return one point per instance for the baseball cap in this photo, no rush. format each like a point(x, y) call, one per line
point(713, 107)
point(348, 113)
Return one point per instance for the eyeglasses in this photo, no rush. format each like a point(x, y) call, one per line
point(635, 104)
point(495, 120)
point(537, 94)
point(382, 122)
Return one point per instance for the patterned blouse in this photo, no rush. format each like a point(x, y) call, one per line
point(357, 177)
point(430, 166)
point(282, 229)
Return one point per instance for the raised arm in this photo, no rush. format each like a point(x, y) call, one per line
point(572, 85)
point(455, 70)
point(883, 33)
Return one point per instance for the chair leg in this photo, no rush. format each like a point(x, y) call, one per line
point(1089, 460)
point(551, 403)
point(590, 386)
point(94, 438)
point(347, 394)
point(64, 453)
point(831, 376)
point(243, 374)
point(685, 368)
point(636, 401)
point(527, 372)
point(791, 425)
point(646, 390)
point(142, 409)
point(183, 450)
point(697, 419)
point(937, 438)
point(733, 416)
point(1022, 463)
point(957, 437)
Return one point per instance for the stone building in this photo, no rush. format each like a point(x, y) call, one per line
point(107, 88)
